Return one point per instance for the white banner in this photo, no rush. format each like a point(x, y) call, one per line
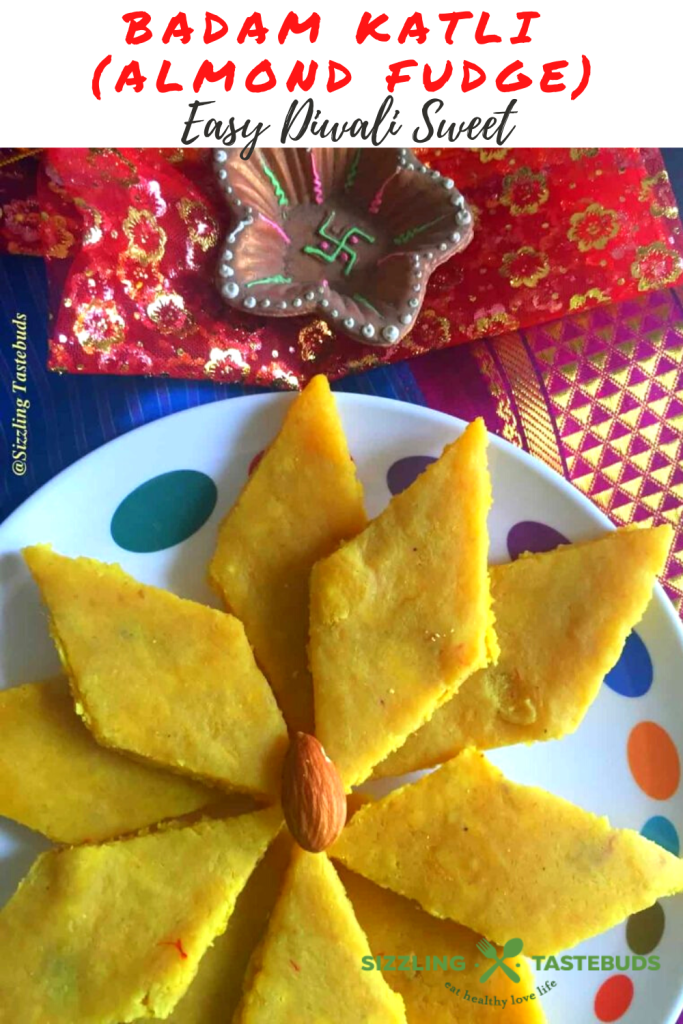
point(585, 73)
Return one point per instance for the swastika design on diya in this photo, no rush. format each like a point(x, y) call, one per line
point(338, 246)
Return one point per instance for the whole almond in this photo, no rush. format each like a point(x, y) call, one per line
point(313, 797)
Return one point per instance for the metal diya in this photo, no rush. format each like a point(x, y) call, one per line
point(351, 235)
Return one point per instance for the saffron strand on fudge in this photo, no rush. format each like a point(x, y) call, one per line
point(165, 897)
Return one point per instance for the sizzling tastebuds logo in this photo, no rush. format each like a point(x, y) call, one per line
point(513, 948)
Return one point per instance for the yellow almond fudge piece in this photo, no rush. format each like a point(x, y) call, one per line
point(56, 779)
point(301, 501)
point(400, 616)
point(398, 927)
point(110, 934)
point(562, 618)
point(163, 678)
point(506, 860)
point(308, 968)
point(214, 995)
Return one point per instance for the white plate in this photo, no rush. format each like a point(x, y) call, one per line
point(73, 512)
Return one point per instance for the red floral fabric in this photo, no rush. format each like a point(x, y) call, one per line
point(132, 239)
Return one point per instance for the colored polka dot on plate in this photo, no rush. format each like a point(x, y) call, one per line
point(632, 674)
point(529, 535)
point(645, 929)
point(404, 472)
point(662, 831)
point(653, 760)
point(164, 511)
point(255, 461)
point(613, 998)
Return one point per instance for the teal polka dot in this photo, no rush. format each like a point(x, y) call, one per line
point(164, 511)
point(662, 831)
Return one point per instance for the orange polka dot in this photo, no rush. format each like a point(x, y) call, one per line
point(653, 760)
point(613, 998)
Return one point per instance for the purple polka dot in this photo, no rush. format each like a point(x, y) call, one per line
point(532, 536)
point(403, 472)
point(632, 675)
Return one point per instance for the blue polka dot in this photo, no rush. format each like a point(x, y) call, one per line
point(532, 536)
point(632, 674)
point(404, 472)
point(661, 831)
point(164, 511)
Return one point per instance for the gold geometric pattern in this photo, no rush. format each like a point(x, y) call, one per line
point(602, 393)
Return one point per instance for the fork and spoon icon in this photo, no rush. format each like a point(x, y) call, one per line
point(513, 947)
